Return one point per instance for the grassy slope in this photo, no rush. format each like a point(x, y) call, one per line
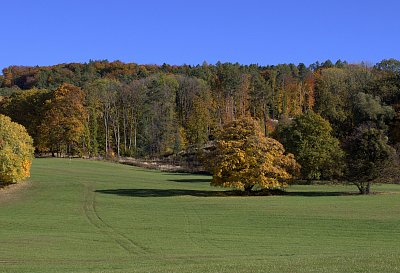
point(83, 216)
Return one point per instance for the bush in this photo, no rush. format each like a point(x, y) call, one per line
point(16, 151)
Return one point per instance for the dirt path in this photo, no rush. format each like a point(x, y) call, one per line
point(11, 192)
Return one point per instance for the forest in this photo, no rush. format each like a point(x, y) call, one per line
point(116, 109)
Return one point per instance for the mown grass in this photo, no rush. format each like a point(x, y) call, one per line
point(88, 216)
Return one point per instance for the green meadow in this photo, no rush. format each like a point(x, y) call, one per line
point(87, 216)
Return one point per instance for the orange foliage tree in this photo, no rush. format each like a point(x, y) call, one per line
point(244, 158)
point(63, 125)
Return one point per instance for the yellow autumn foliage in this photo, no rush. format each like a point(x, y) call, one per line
point(244, 158)
point(63, 123)
point(16, 151)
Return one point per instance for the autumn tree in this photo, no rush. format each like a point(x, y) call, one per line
point(63, 125)
point(245, 159)
point(16, 151)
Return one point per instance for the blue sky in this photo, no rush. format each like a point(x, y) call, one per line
point(46, 32)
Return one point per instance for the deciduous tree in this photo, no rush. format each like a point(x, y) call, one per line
point(26, 108)
point(245, 159)
point(309, 138)
point(369, 158)
point(16, 151)
point(62, 128)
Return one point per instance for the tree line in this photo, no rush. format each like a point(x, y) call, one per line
point(103, 108)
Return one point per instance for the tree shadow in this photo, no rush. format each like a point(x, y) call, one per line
point(190, 180)
point(187, 178)
point(319, 193)
point(205, 193)
point(162, 192)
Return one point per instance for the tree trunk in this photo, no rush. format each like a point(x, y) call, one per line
point(118, 141)
point(135, 136)
point(368, 188)
point(124, 123)
point(360, 188)
point(265, 123)
point(130, 137)
point(248, 189)
point(364, 188)
point(106, 132)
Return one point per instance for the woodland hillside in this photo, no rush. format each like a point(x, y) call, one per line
point(103, 108)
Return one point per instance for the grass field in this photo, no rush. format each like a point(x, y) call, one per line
point(87, 216)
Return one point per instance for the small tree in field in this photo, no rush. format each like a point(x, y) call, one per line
point(16, 151)
point(370, 159)
point(244, 158)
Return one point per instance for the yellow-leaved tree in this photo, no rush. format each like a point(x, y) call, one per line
point(63, 124)
point(16, 151)
point(244, 158)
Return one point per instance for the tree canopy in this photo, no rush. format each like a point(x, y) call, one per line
point(309, 138)
point(370, 159)
point(169, 111)
point(245, 159)
point(63, 123)
point(16, 151)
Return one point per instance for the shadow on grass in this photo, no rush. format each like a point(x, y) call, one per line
point(319, 193)
point(6, 185)
point(201, 193)
point(190, 180)
point(162, 193)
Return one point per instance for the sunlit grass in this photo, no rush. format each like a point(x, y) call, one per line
point(88, 216)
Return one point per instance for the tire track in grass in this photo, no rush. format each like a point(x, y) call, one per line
point(195, 221)
point(89, 207)
point(203, 232)
point(9, 262)
point(141, 249)
point(189, 228)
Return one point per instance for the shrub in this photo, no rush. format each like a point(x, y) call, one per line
point(16, 151)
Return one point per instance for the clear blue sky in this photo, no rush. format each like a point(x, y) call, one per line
point(46, 32)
